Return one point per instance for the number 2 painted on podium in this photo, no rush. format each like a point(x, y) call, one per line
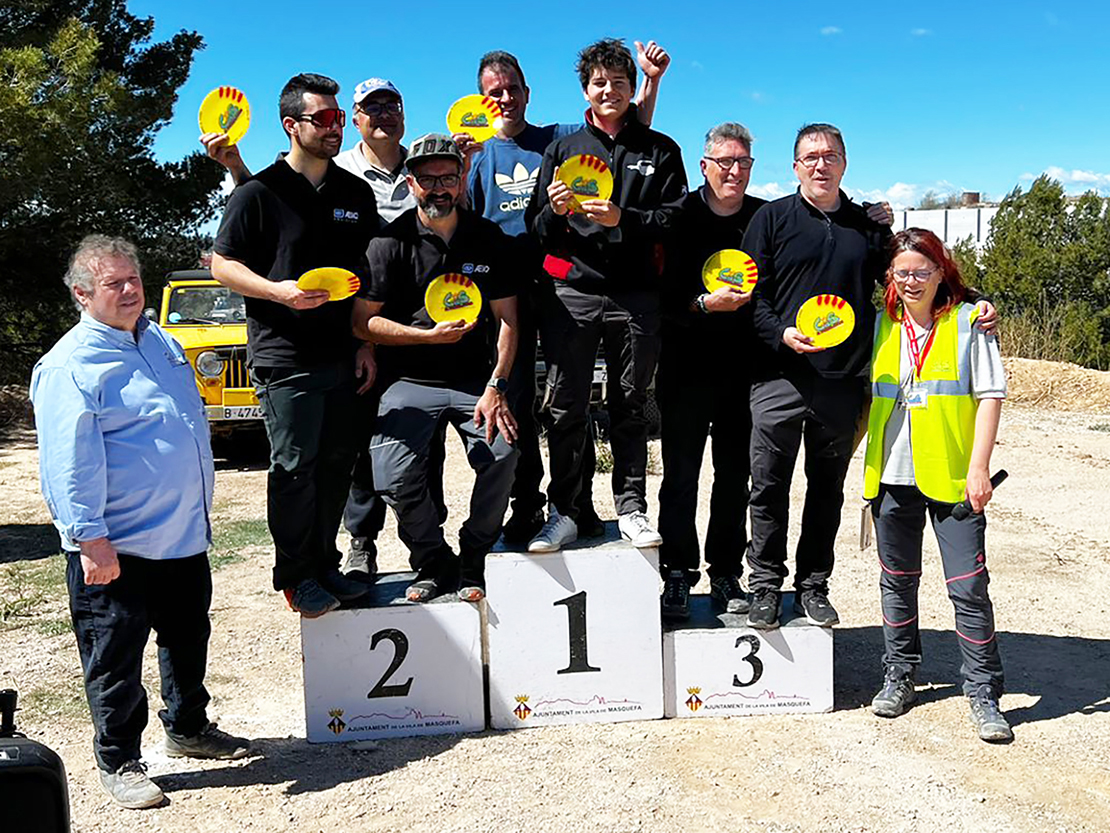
point(576, 627)
point(751, 659)
point(400, 651)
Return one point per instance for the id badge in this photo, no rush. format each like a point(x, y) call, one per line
point(915, 398)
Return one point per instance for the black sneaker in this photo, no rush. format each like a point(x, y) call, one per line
point(589, 524)
point(675, 603)
point(987, 718)
point(522, 527)
point(209, 742)
point(343, 588)
point(764, 611)
point(816, 607)
point(896, 694)
point(310, 599)
point(727, 592)
point(362, 560)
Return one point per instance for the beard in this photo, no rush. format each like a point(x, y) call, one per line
point(438, 206)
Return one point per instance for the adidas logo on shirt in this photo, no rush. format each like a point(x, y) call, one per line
point(519, 185)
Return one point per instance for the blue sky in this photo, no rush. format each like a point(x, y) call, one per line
point(945, 96)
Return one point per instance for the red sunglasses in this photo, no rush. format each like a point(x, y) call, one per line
point(324, 119)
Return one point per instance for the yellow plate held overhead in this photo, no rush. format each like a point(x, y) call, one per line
point(225, 110)
point(729, 269)
point(340, 283)
point(588, 177)
point(453, 297)
point(478, 115)
point(827, 319)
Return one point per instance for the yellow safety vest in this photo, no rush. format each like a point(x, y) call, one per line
point(941, 433)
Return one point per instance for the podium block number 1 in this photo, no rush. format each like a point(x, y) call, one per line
point(578, 647)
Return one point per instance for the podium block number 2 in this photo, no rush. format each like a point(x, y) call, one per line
point(400, 651)
point(576, 631)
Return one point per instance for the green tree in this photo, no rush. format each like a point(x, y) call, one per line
point(83, 91)
point(1047, 265)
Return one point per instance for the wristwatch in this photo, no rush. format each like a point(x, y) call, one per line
point(498, 384)
point(699, 302)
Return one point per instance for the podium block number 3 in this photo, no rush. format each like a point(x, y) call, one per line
point(576, 631)
point(400, 651)
point(751, 659)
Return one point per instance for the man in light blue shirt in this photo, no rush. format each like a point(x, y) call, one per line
point(127, 474)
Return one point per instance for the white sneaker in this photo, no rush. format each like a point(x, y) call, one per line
point(638, 531)
point(558, 531)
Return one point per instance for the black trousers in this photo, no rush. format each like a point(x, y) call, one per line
point(527, 498)
point(113, 622)
point(693, 411)
point(824, 414)
point(899, 513)
point(311, 420)
point(573, 326)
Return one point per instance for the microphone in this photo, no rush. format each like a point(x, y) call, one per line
point(962, 510)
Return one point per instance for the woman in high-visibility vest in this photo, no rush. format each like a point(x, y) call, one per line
point(937, 386)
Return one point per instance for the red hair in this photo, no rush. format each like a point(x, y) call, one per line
point(952, 290)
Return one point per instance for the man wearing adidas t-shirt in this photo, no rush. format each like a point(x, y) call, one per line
point(502, 178)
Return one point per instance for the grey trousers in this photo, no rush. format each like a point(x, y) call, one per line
point(410, 416)
point(899, 513)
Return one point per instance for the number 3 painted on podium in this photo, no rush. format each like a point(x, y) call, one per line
point(751, 659)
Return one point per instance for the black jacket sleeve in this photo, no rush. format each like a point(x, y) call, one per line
point(759, 243)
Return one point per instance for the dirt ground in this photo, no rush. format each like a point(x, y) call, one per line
point(1049, 552)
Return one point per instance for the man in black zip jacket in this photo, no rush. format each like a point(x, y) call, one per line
point(603, 257)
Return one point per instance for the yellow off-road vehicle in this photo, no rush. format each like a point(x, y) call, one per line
point(210, 322)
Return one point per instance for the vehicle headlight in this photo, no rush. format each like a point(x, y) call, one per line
point(210, 364)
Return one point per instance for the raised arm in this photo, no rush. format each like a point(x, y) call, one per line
point(653, 60)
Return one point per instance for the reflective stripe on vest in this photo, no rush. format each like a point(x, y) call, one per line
point(943, 432)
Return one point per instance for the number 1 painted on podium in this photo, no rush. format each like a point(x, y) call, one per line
point(576, 627)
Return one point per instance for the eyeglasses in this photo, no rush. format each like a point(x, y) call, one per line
point(812, 159)
point(725, 163)
point(919, 275)
point(428, 182)
point(323, 119)
point(375, 109)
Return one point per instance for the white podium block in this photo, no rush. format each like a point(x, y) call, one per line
point(381, 667)
point(714, 665)
point(574, 636)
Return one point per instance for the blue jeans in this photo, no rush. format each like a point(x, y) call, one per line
point(113, 622)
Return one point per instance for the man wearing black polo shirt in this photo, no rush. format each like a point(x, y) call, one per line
point(437, 373)
point(601, 256)
point(813, 242)
point(300, 213)
point(703, 382)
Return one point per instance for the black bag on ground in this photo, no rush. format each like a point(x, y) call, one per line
point(33, 793)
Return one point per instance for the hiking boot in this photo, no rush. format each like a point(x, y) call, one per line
point(896, 694)
point(362, 560)
point(130, 786)
point(209, 742)
point(310, 599)
point(589, 524)
point(727, 592)
point(638, 531)
point(816, 607)
point(764, 612)
point(522, 527)
point(556, 533)
point(675, 602)
point(987, 717)
point(342, 587)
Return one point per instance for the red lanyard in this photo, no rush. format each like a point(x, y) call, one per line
point(917, 356)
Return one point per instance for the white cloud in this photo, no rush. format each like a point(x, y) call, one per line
point(831, 30)
point(758, 97)
point(902, 194)
point(920, 33)
point(697, 65)
point(769, 191)
point(227, 185)
point(1075, 181)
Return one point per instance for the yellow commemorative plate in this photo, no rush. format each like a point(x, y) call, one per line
point(340, 283)
point(225, 110)
point(827, 319)
point(588, 177)
point(478, 115)
point(453, 297)
point(729, 269)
